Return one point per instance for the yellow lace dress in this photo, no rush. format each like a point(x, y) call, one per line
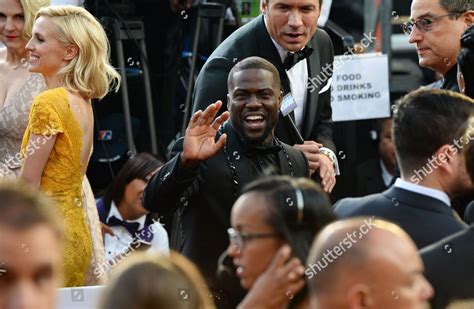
point(62, 176)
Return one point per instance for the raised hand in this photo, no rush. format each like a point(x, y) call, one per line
point(199, 144)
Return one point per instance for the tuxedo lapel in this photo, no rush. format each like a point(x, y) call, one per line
point(284, 167)
point(267, 50)
point(235, 153)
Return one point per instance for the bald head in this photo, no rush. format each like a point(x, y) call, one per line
point(365, 261)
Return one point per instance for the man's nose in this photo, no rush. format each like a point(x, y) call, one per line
point(295, 20)
point(415, 35)
point(253, 102)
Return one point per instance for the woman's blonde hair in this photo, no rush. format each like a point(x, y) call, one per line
point(156, 281)
point(30, 8)
point(89, 72)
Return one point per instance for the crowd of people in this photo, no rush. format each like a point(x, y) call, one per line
point(247, 186)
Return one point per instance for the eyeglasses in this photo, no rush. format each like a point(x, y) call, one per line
point(240, 239)
point(424, 24)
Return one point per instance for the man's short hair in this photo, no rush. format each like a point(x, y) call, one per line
point(456, 7)
point(425, 120)
point(253, 63)
point(22, 208)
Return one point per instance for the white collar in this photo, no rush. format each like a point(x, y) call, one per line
point(386, 176)
point(114, 212)
point(434, 193)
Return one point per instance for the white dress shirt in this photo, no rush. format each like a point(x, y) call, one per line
point(434, 193)
point(386, 176)
point(117, 245)
point(298, 78)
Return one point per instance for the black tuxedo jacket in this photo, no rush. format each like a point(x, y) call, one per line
point(369, 178)
point(449, 267)
point(204, 197)
point(424, 218)
point(254, 40)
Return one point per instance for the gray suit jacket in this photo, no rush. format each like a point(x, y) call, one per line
point(254, 40)
point(424, 218)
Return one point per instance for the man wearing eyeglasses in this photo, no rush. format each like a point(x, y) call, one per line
point(436, 27)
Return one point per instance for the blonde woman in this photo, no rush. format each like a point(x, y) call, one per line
point(156, 281)
point(70, 49)
point(18, 87)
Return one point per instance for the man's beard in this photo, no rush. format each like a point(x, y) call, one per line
point(268, 131)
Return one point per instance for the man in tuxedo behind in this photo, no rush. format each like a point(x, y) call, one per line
point(428, 133)
point(449, 261)
point(287, 36)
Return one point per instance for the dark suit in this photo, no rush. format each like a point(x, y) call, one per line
point(469, 213)
point(424, 218)
point(204, 196)
point(449, 81)
point(449, 267)
point(254, 40)
point(369, 178)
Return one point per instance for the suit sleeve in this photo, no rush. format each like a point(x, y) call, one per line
point(211, 84)
point(167, 186)
point(323, 131)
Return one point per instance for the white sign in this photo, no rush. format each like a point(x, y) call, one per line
point(84, 297)
point(360, 88)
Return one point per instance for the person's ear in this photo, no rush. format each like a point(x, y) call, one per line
point(264, 7)
point(443, 158)
point(468, 17)
point(359, 296)
point(70, 52)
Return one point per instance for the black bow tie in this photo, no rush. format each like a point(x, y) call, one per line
point(263, 150)
point(131, 227)
point(293, 58)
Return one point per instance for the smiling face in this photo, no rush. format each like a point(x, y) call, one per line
point(12, 22)
point(30, 261)
point(437, 48)
point(248, 217)
point(253, 102)
point(291, 23)
point(47, 54)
